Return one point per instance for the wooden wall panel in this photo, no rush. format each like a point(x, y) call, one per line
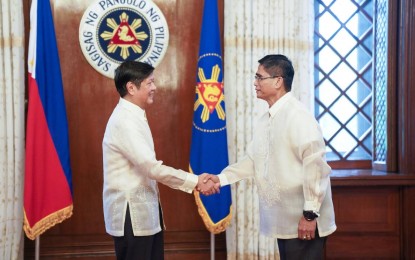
point(368, 223)
point(408, 223)
point(362, 247)
point(367, 210)
point(90, 99)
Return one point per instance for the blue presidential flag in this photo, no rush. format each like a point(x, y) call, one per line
point(209, 150)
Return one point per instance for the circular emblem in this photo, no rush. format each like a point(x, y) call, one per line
point(115, 31)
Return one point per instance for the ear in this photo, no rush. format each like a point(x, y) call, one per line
point(130, 87)
point(280, 83)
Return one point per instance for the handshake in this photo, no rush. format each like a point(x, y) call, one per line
point(208, 184)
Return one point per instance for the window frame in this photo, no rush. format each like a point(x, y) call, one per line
point(391, 160)
point(390, 164)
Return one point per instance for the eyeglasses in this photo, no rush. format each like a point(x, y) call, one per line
point(259, 78)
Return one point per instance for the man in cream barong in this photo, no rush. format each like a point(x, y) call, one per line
point(287, 160)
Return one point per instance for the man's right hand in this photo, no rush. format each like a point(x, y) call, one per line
point(208, 184)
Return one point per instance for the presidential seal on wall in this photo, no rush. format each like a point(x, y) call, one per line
point(112, 31)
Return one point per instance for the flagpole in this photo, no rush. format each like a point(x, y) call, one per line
point(37, 242)
point(212, 246)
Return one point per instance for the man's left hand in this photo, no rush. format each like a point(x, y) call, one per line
point(306, 229)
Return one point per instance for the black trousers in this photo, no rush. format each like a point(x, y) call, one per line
point(130, 247)
point(297, 249)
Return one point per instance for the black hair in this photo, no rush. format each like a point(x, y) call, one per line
point(279, 65)
point(131, 71)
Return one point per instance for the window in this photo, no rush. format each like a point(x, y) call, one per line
point(356, 89)
point(343, 41)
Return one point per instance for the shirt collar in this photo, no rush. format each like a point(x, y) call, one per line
point(280, 102)
point(133, 108)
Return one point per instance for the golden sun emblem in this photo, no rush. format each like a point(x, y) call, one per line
point(124, 36)
point(210, 94)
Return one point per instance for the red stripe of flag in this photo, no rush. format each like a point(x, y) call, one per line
point(47, 188)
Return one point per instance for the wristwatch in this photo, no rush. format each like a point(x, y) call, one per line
point(310, 215)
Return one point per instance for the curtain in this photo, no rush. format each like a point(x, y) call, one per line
point(12, 105)
point(252, 30)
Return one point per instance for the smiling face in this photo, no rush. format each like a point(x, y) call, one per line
point(142, 95)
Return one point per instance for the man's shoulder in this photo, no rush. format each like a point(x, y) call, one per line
point(300, 114)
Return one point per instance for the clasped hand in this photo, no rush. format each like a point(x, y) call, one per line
point(208, 184)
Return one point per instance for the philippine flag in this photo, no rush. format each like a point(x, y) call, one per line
point(48, 177)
